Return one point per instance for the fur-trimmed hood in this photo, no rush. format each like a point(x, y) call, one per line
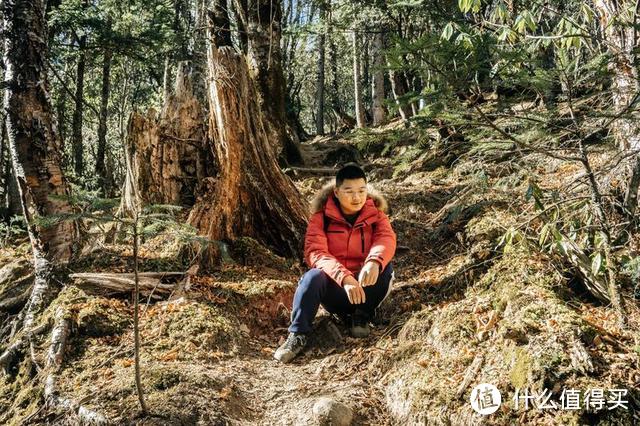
point(321, 197)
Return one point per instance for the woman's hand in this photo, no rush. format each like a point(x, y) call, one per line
point(369, 273)
point(354, 290)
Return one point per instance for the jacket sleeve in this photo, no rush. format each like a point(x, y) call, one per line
point(316, 251)
point(383, 246)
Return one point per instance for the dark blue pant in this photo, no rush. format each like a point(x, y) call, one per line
point(316, 287)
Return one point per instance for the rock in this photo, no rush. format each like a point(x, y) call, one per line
point(327, 411)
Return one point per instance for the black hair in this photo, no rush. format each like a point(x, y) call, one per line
point(350, 171)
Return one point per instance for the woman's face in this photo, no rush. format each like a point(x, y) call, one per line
point(352, 195)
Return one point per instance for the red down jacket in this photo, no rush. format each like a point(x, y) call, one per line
point(343, 249)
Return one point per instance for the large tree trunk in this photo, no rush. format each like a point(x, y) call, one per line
point(105, 181)
point(166, 79)
point(167, 156)
point(400, 88)
point(343, 121)
point(199, 55)
point(76, 143)
point(240, 6)
point(34, 146)
point(364, 74)
point(359, 105)
point(264, 20)
point(251, 196)
point(11, 196)
point(336, 105)
point(61, 118)
point(377, 83)
point(181, 18)
point(320, 76)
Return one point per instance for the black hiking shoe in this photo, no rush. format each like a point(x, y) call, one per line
point(291, 347)
point(359, 326)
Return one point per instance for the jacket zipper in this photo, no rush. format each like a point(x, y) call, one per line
point(346, 257)
point(362, 238)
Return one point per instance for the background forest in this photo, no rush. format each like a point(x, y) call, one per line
point(156, 163)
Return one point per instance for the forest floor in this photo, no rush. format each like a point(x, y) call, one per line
point(462, 311)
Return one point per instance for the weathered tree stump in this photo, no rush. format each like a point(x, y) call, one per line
point(250, 196)
point(167, 154)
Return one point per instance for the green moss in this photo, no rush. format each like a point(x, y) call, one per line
point(163, 378)
point(190, 329)
point(489, 226)
point(519, 374)
point(70, 295)
point(102, 317)
point(19, 397)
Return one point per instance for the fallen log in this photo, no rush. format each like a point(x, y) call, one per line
point(155, 284)
point(14, 349)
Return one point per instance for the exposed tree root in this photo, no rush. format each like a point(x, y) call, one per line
point(9, 356)
point(55, 356)
point(85, 415)
point(59, 335)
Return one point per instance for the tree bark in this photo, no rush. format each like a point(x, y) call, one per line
point(166, 78)
point(264, 20)
point(377, 83)
point(76, 143)
point(167, 156)
point(250, 196)
point(11, 197)
point(4, 183)
point(320, 77)
point(104, 180)
point(360, 119)
point(199, 54)
point(34, 146)
point(416, 87)
point(336, 106)
point(364, 74)
point(400, 88)
point(181, 15)
point(240, 6)
point(219, 18)
point(61, 115)
point(13, 203)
